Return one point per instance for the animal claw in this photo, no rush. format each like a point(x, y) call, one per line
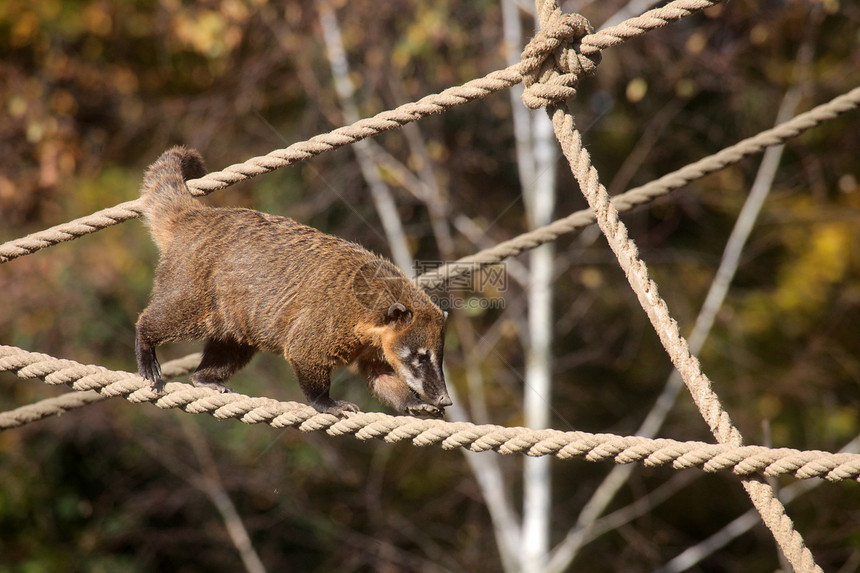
point(425, 411)
point(335, 407)
point(158, 386)
point(213, 386)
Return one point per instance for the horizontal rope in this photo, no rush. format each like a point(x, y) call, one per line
point(70, 230)
point(46, 408)
point(59, 405)
point(741, 461)
point(384, 121)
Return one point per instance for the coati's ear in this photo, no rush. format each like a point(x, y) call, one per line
point(398, 312)
point(192, 164)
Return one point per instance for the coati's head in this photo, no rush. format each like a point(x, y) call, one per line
point(412, 342)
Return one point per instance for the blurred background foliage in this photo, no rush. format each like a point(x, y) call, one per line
point(92, 91)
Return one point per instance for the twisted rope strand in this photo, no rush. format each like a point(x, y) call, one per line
point(59, 405)
point(384, 121)
point(650, 20)
point(94, 383)
point(762, 495)
point(45, 408)
point(70, 230)
point(362, 129)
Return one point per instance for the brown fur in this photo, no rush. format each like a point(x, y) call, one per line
point(245, 281)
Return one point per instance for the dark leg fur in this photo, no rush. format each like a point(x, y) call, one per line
point(315, 382)
point(153, 329)
point(147, 362)
point(221, 359)
point(392, 391)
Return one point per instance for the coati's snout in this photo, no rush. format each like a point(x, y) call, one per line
point(416, 351)
point(425, 376)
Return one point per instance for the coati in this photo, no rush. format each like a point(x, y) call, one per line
point(245, 281)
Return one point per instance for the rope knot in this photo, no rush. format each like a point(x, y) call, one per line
point(552, 63)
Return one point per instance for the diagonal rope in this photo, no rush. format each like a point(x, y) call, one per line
point(648, 192)
point(101, 383)
point(771, 510)
point(384, 121)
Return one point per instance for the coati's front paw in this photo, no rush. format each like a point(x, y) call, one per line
point(424, 410)
point(334, 407)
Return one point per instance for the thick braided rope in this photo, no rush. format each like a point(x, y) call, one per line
point(45, 408)
point(772, 511)
point(648, 192)
point(59, 405)
point(625, 250)
point(70, 230)
point(387, 120)
point(632, 27)
point(97, 383)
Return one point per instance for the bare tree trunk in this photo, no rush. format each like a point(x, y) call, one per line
point(537, 155)
point(209, 482)
point(379, 191)
point(537, 500)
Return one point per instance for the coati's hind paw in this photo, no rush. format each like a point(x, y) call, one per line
point(212, 386)
point(151, 372)
point(334, 407)
point(149, 368)
point(423, 410)
point(158, 385)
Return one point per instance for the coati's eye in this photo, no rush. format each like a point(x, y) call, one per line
point(420, 357)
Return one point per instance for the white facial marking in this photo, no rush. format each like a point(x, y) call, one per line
point(403, 352)
point(415, 383)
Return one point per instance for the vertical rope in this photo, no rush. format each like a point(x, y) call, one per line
point(566, 67)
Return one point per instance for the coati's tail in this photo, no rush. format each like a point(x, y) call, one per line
point(164, 192)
